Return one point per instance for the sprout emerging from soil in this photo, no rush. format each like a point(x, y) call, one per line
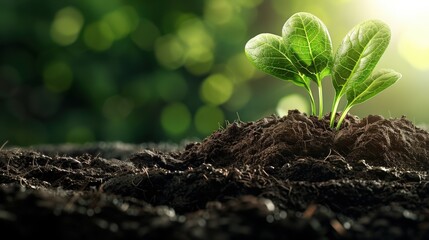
point(303, 54)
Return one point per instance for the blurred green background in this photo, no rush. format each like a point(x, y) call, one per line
point(166, 70)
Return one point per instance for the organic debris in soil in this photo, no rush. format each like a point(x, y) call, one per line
point(291, 177)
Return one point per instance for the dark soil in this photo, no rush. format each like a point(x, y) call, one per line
point(276, 178)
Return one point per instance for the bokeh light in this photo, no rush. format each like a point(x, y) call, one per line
point(216, 89)
point(219, 11)
point(66, 26)
point(170, 51)
point(121, 21)
point(208, 119)
point(99, 36)
point(175, 119)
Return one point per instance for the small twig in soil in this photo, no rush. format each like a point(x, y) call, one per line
point(335, 153)
point(329, 154)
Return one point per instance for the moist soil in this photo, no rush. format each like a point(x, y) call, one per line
point(276, 178)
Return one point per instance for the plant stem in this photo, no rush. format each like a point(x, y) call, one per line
point(312, 103)
point(319, 86)
point(334, 110)
point(343, 115)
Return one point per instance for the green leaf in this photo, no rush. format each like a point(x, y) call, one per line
point(373, 85)
point(309, 45)
point(367, 89)
point(268, 53)
point(358, 54)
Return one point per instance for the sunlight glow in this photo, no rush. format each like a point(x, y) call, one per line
point(406, 12)
point(410, 19)
point(413, 46)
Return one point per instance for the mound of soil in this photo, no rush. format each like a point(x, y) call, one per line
point(276, 178)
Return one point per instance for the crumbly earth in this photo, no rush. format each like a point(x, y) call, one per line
point(276, 178)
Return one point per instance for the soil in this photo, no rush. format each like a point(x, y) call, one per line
point(277, 178)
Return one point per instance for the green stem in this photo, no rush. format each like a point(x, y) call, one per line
point(334, 110)
point(319, 86)
point(343, 115)
point(312, 103)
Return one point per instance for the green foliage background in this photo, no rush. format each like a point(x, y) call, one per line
point(142, 71)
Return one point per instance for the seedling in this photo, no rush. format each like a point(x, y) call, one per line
point(303, 54)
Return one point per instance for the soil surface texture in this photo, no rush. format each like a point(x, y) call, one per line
point(276, 178)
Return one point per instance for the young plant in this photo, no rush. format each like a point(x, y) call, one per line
point(304, 54)
point(354, 61)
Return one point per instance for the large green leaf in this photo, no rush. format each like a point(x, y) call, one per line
point(358, 54)
point(373, 85)
point(309, 45)
point(268, 53)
